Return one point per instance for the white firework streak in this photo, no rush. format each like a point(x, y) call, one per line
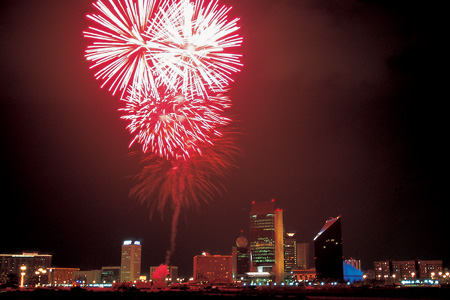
point(119, 48)
point(175, 126)
point(193, 39)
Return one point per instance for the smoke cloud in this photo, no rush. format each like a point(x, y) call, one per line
point(160, 273)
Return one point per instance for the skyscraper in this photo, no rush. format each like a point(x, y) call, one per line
point(130, 266)
point(267, 239)
point(241, 258)
point(290, 252)
point(328, 250)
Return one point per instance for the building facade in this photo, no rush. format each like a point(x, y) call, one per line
point(11, 263)
point(304, 274)
point(213, 268)
point(111, 274)
point(397, 270)
point(61, 276)
point(355, 263)
point(87, 277)
point(303, 256)
point(267, 239)
point(328, 251)
point(130, 265)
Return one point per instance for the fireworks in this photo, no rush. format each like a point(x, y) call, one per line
point(194, 38)
point(198, 177)
point(119, 48)
point(175, 125)
point(139, 45)
point(170, 60)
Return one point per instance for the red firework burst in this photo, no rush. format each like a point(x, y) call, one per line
point(175, 125)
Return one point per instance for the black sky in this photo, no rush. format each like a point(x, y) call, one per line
point(341, 109)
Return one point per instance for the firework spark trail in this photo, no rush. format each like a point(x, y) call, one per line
point(193, 39)
point(119, 48)
point(183, 184)
point(175, 125)
point(171, 62)
point(202, 175)
point(179, 44)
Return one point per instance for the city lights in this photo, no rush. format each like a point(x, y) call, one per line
point(142, 157)
point(216, 272)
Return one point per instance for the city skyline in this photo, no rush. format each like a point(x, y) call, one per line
point(130, 257)
point(331, 266)
point(338, 109)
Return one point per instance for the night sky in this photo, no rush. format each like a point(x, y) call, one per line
point(340, 110)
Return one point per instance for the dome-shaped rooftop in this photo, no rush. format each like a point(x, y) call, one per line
point(241, 242)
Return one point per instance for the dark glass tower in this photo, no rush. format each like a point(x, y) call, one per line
point(328, 250)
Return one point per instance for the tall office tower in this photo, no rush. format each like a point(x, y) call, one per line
point(303, 256)
point(130, 265)
point(290, 252)
point(328, 250)
point(241, 258)
point(267, 239)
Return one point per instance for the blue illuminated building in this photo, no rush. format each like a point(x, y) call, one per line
point(351, 274)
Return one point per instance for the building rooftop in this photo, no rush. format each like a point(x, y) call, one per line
point(327, 225)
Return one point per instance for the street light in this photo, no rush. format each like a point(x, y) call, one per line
point(39, 272)
point(22, 275)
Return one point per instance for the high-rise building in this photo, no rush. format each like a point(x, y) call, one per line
point(267, 239)
point(328, 250)
point(290, 252)
point(213, 268)
point(241, 258)
point(303, 256)
point(130, 265)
